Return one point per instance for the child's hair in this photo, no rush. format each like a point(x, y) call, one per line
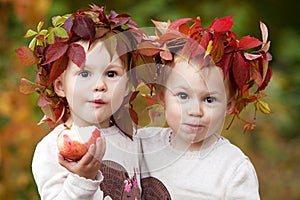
point(249, 72)
point(52, 48)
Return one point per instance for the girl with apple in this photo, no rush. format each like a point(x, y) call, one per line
point(82, 63)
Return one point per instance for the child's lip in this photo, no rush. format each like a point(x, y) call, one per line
point(97, 102)
point(195, 126)
point(100, 101)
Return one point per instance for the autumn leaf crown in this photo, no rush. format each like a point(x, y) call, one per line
point(248, 69)
point(52, 48)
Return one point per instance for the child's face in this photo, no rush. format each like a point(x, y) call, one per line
point(195, 103)
point(97, 90)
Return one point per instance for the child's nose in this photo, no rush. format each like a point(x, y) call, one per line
point(196, 109)
point(100, 85)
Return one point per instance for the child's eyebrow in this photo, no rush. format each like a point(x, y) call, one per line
point(115, 66)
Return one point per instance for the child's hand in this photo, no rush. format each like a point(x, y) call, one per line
point(90, 163)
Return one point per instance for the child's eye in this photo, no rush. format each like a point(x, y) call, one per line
point(84, 74)
point(182, 95)
point(111, 74)
point(210, 99)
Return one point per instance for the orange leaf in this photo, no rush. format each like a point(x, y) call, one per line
point(27, 87)
point(26, 56)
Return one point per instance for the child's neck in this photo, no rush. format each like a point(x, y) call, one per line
point(71, 121)
point(183, 146)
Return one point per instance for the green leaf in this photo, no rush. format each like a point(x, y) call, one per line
point(60, 32)
point(32, 43)
point(30, 33)
point(39, 26)
point(43, 32)
point(39, 43)
point(59, 20)
point(50, 36)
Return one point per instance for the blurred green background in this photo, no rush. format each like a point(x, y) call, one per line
point(273, 147)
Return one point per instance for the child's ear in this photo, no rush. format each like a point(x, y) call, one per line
point(230, 106)
point(127, 88)
point(58, 87)
point(160, 97)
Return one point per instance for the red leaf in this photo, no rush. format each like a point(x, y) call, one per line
point(225, 63)
point(217, 51)
point(266, 80)
point(26, 56)
point(223, 24)
point(42, 101)
point(151, 99)
point(240, 70)
point(248, 42)
point(58, 68)
point(76, 54)
point(148, 49)
point(166, 55)
point(256, 75)
point(184, 29)
point(59, 112)
point(133, 115)
point(55, 51)
point(133, 96)
point(161, 26)
point(177, 23)
point(84, 27)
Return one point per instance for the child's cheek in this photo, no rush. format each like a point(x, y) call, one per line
point(173, 114)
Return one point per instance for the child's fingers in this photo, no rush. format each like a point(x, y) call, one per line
point(65, 163)
point(100, 148)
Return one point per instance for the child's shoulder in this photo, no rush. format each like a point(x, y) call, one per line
point(228, 150)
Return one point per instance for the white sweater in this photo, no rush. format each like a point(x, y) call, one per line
point(121, 161)
point(220, 171)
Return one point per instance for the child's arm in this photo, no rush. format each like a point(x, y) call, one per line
point(55, 182)
point(244, 183)
point(89, 164)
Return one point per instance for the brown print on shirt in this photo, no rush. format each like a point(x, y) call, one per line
point(153, 189)
point(113, 183)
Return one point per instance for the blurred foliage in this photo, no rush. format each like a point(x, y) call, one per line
point(273, 147)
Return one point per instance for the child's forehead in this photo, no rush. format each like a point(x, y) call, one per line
point(184, 74)
point(98, 52)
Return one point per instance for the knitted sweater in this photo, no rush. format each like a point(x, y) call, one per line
point(120, 163)
point(219, 171)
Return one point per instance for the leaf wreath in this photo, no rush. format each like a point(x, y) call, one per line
point(249, 71)
point(52, 48)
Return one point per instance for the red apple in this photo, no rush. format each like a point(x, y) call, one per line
point(74, 142)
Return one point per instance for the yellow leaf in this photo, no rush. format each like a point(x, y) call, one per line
point(263, 107)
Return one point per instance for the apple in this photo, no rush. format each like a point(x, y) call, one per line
point(74, 142)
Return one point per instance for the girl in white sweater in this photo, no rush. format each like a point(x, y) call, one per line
point(202, 76)
point(82, 81)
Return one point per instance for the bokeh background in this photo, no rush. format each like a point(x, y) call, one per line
point(273, 147)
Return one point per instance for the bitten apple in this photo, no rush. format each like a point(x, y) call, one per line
point(74, 142)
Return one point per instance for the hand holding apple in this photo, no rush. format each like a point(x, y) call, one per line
point(74, 142)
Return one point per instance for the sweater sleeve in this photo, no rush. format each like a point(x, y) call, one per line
point(243, 183)
point(54, 181)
